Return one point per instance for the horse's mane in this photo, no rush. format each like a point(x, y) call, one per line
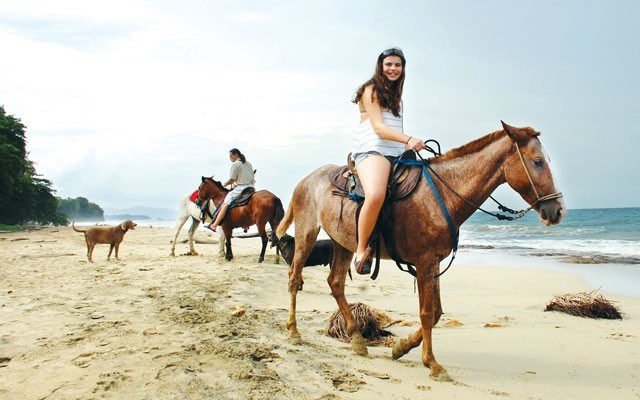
point(217, 183)
point(477, 145)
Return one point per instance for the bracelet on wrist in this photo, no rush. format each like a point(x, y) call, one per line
point(407, 142)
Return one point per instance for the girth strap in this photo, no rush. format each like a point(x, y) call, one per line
point(453, 233)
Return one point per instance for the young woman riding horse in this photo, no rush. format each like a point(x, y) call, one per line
point(262, 207)
point(421, 231)
point(378, 136)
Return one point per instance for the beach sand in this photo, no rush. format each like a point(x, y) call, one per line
point(151, 326)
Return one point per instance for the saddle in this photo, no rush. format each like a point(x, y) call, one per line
point(244, 197)
point(241, 200)
point(403, 180)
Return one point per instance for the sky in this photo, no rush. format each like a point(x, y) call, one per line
point(128, 103)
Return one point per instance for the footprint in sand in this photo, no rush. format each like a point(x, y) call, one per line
point(84, 359)
point(110, 380)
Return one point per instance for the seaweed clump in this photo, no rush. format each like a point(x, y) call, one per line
point(368, 319)
point(584, 304)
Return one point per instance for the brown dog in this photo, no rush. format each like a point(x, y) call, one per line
point(111, 235)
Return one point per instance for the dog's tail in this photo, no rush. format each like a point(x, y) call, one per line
point(285, 222)
point(76, 229)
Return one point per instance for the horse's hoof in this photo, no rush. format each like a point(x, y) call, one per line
point(295, 339)
point(397, 350)
point(358, 345)
point(440, 375)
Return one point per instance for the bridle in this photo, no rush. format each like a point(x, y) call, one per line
point(539, 198)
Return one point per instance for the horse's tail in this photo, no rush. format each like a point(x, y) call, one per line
point(285, 221)
point(76, 229)
point(276, 220)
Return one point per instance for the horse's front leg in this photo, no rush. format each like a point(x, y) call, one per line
point(222, 240)
point(426, 295)
point(337, 276)
point(403, 346)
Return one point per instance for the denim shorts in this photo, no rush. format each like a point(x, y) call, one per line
point(359, 157)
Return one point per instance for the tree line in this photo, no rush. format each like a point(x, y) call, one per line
point(26, 196)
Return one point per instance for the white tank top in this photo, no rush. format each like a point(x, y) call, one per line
point(365, 138)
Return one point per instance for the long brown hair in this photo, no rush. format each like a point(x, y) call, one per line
point(387, 93)
point(239, 154)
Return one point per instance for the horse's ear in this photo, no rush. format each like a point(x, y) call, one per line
point(516, 134)
point(203, 178)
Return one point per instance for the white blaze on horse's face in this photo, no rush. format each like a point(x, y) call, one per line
point(562, 205)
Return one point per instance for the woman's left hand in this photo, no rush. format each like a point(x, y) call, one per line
point(416, 144)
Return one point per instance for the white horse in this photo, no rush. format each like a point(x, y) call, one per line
point(189, 209)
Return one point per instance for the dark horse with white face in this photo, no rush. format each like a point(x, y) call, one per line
point(263, 207)
point(473, 171)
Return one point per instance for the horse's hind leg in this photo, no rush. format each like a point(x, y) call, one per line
point(303, 247)
point(263, 236)
point(175, 238)
point(227, 234)
point(337, 276)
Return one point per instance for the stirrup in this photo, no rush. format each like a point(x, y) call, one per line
point(363, 267)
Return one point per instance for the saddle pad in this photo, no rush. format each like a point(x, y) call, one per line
point(194, 196)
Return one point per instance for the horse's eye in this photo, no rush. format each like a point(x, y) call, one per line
point(538, 162)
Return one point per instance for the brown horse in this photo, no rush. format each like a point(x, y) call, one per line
point(263, 207)
point(473, 171)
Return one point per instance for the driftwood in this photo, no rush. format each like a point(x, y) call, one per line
point(584, 304)
point(47, 255)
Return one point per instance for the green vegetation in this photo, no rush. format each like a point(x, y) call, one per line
point(24, 195)
point(80, 209)
point(10, 228)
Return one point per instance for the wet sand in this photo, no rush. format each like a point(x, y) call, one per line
point(151, 326)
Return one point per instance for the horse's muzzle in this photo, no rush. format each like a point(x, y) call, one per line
point(551, 212)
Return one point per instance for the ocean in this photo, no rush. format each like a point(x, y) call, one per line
point(602, 245)
point(587, 236)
